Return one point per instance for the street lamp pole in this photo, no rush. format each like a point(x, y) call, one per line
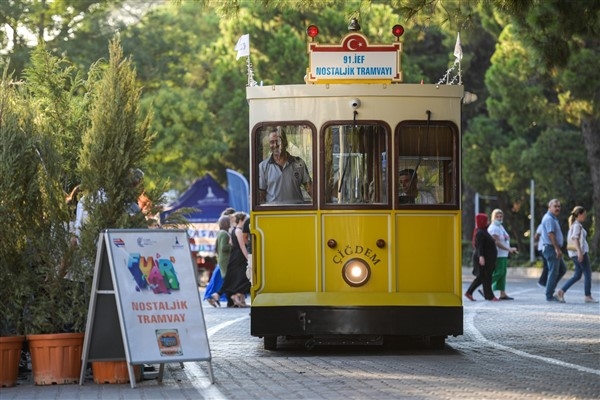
point(479, 196)
point(532, 222)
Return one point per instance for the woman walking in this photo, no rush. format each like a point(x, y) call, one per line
point(504, 250)
point(236, 283)
point(223, 249)
point(578, 249)
point(484, 259)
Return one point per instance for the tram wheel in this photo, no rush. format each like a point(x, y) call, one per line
point(437, 342)
point(270, 342)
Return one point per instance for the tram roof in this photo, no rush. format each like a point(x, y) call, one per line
point(375, 90)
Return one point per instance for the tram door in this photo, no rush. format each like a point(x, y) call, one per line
point(428, 218)
point(285, 220)
point(356, 222)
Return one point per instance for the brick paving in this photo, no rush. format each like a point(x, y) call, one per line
point(521, 349)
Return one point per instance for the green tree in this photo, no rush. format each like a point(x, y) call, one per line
point(33, 213)
point(174, 75)
point(557, 163)
point(196, 89)
point(116, 144)
point(19, 192)
point(57, 85)
point(57, 23)
point(561, 40)
point(518, 89)
point(42, 120)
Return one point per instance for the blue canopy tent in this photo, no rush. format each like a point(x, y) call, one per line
point(206, 195)
point(209, 199)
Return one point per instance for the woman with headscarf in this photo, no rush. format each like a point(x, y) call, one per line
point(484, 259)
point(504, 250)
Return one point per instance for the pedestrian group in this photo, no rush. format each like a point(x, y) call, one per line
point(491, 248)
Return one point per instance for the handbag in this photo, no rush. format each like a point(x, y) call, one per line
point(571, 246)
point(571, 242)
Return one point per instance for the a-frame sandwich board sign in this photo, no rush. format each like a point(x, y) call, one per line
point(145, 306)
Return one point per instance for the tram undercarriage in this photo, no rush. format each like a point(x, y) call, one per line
point(355, 325)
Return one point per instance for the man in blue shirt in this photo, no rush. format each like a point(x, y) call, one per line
point(283, 178)
point(552, 240)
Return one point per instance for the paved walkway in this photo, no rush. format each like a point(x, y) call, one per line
point(521, 349)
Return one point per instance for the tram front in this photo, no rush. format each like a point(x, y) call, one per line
point(355, 206)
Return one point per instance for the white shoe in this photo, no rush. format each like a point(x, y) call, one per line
point(590, 300)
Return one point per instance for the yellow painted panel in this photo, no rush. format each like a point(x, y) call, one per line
point(421, 256)
point(356, 235)
point(428, 250)
point(286, 247)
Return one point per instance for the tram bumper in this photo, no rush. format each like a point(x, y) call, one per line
point(356, 320)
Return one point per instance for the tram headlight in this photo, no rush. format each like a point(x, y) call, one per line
point(356, 272)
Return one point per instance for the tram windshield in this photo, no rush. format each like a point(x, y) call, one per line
point(427, 167)
point(355, 164)
point(285, 169)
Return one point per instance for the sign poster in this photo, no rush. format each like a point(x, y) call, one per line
point(354, 60)
point(158, 298)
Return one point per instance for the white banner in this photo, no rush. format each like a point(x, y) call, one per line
point(158, 296)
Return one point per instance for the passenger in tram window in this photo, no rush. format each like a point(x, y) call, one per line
point(504, 250)
point(484, 259)
point(283, 178)
point(410, 194)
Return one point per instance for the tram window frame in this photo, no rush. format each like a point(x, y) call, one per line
point(433, 157)
point(260, 151)
point(385, 184)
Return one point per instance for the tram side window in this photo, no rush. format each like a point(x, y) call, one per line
point(285, 165)
point(355, 164)
point(427, 168)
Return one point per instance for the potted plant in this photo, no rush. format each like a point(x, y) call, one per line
point(14, 276)
point(34, 216)
point(53, 138)
point(116, 143)
point(12, 296)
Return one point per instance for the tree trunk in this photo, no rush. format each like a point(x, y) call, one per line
point(590, 130)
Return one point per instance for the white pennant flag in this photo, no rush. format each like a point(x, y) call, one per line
point(243, 46)
point(458, 48)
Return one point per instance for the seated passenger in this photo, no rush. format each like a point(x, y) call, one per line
point(410, 194)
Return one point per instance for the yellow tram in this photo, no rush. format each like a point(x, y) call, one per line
point(364, 245)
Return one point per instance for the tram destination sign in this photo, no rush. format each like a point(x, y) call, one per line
point(354, 61)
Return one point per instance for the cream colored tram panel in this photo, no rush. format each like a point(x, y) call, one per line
point(321, 103)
